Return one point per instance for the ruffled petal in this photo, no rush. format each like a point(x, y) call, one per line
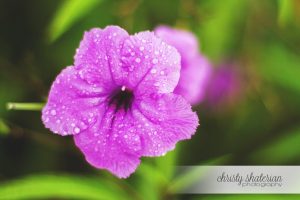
point(150, 128)
point(73, 103)
point(152, 64)
point(112, 143)
point(164, 119)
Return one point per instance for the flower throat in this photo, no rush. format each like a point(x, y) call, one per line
point(122, 98)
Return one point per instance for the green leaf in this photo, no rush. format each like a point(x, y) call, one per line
point(281, 151)
point(63, 186)
point(286, 12)
point(154, 177)
point(166, 164)
point(69, 13)
point(4, 129)
point(151, 180)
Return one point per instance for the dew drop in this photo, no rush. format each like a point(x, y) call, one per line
point(53, 112)
point(154, 61)
point(142, 48)
point(137, 60)
point(153, 71)
point(162, 73)
point(77, 130)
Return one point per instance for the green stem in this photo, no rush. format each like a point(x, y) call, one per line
point(25, 106)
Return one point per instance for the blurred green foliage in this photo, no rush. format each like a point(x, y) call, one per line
point(259, 126)
point(68, 13)
point(63, 186)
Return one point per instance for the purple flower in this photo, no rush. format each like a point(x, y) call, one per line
point(195, 69)
point(117, 100)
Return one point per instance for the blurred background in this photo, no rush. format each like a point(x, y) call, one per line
point(250, 116)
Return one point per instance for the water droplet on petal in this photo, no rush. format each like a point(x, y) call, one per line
point(154, 61)
point(162, 73)
point(137, 60)
point(76, 130)
point(153, 71)
point(53, 112)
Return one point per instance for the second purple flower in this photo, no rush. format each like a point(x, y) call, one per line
point(195, 68)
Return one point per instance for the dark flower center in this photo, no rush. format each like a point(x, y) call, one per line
point(121, 98)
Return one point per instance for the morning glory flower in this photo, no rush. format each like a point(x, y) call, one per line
point(117, 100)
point(195, 68)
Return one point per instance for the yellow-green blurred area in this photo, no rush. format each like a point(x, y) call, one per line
point(258, 126)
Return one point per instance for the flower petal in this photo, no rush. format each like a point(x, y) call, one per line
point(185, 42)
point(194, 79)
point(72, 103)
point(152, 64)
point(195, 69)
point(164, 119)
point(112, 143)
point(101, 48)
